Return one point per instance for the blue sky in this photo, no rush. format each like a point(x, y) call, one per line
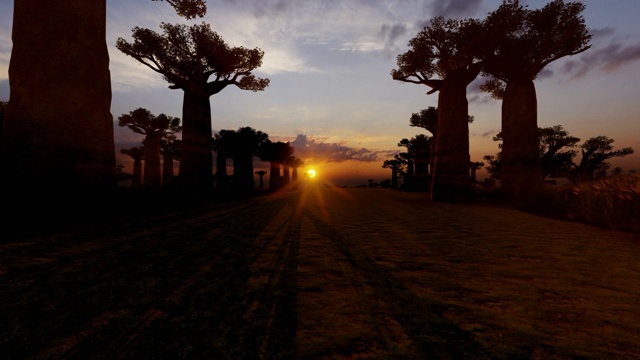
point(331, 92)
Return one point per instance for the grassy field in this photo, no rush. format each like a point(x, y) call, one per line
point(324, 273)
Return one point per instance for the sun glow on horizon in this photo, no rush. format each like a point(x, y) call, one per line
point(311, 173)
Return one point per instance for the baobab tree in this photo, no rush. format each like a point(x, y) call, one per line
point(276, 153)
point(58, 134)
point(443, 57)
point(246, 143)
point(595, 153)
point(137, 154)
point(295, 163)
point(522, 43)
point(428, 120)
point(261, 174)
point(394, 165)
point(196, 60)
point(553, 160)
point(155, 129)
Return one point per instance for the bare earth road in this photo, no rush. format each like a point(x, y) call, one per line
point(325, 273)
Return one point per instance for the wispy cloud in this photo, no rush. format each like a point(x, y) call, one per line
point(608, 59)
point(454, 8)
point(314, 149)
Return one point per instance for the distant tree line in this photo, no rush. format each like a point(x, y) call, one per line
point(557, 156)
point(240, 146)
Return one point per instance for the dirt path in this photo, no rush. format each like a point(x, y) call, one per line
point(326, 273)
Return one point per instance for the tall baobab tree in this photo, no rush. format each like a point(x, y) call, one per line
point(154, 128)
point(443, 57)
point(58, 134)
point(196, 60)
point(522, 43)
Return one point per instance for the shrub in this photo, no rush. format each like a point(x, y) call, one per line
point(613, 202)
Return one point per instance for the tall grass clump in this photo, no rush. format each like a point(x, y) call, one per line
point(613, 202)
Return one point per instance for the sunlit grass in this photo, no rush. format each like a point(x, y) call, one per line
point(613, 202)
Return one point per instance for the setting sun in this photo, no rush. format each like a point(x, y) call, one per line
point(311, 173)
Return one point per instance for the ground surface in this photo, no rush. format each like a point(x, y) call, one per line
point(324, 273)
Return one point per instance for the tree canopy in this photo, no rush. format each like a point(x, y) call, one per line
point(525, 41)
point(188, 9)
point(193, 54)
point(443, 47)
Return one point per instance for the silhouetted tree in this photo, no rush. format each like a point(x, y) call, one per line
point(245, 145)
point(137, 154)
point(394, 165)
point(58, 137)
point(553, 161)
point(261, 174)
point(58, 130)
point(474, 166)
point(286, 171)
point(221, 144)
point(188, 57)
point(154, 128)
point(446, 49)
point(494, 167)
point(408, 156)
point(595, 153)
point(170, 151)
point(522, 43)
point(276, 153)
point(427, 119)
point(188, 9)
point(295, 163)
point(421, 146)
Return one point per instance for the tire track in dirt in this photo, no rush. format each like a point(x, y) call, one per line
point(434, 335)
point(146, 253)
point(270, 313)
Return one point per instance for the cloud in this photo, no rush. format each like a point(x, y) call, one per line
point(389, 34)
point(608, 59)
point(454, 8)
point(313, 149)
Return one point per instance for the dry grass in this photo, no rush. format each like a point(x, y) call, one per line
point(613, 202)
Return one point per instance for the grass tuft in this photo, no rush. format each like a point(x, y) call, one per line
point(613, 202)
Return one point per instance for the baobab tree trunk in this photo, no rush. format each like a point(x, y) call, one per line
point(152, 178)
point(274, 176)
point(58, 130)
point(450, 174)
point(394, 177)
point(196, 163)
point(243, 180)
point(521, 167)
